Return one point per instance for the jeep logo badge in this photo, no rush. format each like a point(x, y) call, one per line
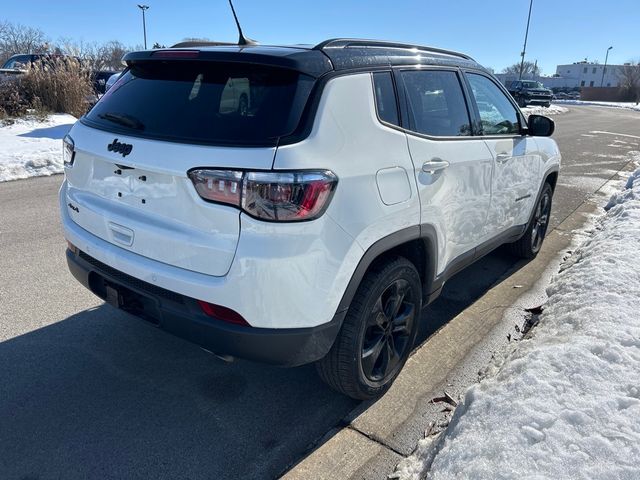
point(123, 149)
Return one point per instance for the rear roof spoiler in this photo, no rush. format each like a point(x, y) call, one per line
point(310, 62)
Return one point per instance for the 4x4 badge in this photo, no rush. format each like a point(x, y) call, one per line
point(123, 149)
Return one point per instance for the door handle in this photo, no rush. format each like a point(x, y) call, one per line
point(503, 157)
point(434, 165)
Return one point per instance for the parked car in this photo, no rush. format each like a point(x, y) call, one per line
point(18, 65)
point(561, 96)
point(111, 80)
point(316, 227)
point(528, 92)
point(99, 78)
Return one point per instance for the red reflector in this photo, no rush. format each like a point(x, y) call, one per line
point(176, 53)
point(222, 313)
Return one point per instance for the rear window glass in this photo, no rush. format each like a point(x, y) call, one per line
point(204, 102)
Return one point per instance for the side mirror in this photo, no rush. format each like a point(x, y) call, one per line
point(540, 126)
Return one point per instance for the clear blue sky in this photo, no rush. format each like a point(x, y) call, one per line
point(492, 31)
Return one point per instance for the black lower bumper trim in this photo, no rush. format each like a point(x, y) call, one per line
point(181, 316)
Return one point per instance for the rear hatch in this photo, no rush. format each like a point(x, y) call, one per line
point(128, 183)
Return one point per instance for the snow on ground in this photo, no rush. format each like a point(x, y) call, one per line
point(539, 110)
point(566, 402)
point(31, 148)
point(627, 105)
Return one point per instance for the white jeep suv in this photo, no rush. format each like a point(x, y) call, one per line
point(313, 223)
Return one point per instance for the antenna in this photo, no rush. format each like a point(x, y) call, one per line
point(242, 40)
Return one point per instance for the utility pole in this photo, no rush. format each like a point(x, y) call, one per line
point(526, 35)
point(605, 66)
point(144, 23)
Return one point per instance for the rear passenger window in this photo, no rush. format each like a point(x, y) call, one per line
point(385, 98)
point(436, 104)
point(498, 116)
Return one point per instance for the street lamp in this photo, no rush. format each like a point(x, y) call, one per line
point(144, 23)
point(524, 49)
point(605, 66)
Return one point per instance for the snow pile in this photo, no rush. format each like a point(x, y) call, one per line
point(627, 105)
point(539, 110)
point(31, 148)
point(566, 403)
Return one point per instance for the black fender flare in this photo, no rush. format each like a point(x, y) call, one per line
point(425, 233)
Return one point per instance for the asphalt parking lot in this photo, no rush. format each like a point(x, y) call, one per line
point(87, 391)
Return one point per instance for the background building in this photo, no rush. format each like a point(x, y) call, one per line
point(575, 75)
point(587, 74)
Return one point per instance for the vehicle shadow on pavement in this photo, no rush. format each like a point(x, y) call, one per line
point(102, 394)
point(465, 288)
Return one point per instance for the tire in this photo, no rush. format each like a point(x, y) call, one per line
point(530, 243)
point(369, 353)
point(522, 102)
point(546, 105)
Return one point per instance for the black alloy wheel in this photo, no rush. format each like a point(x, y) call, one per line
point(378, 332)
point(530, 243)
point(541, 221)
point(388, 331)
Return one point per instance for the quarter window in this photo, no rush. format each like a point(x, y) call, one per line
point(498, 116)
point(436, 104)
point(385, 98)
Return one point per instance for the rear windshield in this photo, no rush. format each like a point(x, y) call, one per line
point(204, 102)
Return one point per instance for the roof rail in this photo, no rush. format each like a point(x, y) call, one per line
point(355, 42)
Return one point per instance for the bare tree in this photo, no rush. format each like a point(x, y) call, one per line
point(529, 70)
point(113, 52)
point(630, 81)
point(96, 56)
point(16, 38)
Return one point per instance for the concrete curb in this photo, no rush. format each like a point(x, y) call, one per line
point(376, 436)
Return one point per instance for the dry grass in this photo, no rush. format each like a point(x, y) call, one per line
point(12, 102)
point(57, 84)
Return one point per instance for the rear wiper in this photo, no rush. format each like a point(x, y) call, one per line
point(124, 120)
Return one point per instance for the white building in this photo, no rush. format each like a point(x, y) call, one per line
point(576, 75)
point(587, 74)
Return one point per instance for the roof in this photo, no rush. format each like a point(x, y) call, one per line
point(335, 54)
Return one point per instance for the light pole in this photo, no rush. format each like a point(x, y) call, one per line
point(144, 23)
point(605, 66)
point(524, 48)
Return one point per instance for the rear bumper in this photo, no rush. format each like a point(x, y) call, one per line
point(181, 316)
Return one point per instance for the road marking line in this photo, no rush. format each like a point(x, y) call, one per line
point(619, 134)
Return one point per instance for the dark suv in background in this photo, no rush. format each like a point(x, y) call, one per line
point(529, 92)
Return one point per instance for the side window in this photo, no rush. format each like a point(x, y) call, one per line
point(436, 103)
point(498, 116)
point(385, 98)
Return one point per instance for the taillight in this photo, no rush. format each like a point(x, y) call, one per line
point(222, 313)
point(223, 186)
point(274, 196)
point(176, 54)
point(68, 154)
